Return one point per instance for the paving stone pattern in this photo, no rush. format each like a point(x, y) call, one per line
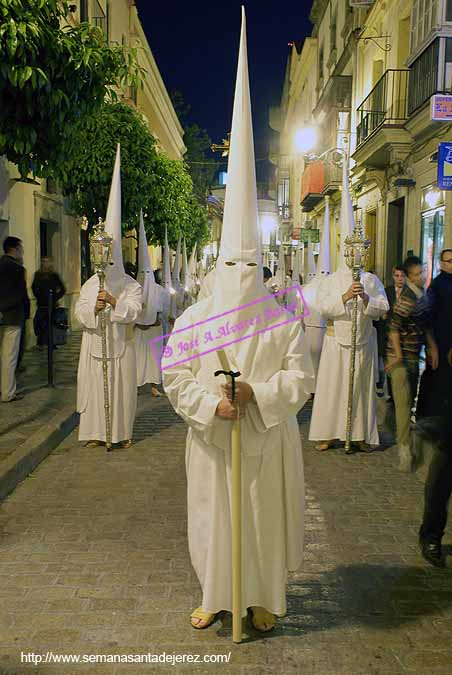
point(94, 560)
point(20, 419)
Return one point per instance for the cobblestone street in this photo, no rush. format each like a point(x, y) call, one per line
point(94, 560)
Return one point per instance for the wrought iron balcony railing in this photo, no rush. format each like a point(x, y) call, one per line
point(386, 105)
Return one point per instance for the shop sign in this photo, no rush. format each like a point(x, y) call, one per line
point(441, 108)
point(445, 166)
point(307, 236)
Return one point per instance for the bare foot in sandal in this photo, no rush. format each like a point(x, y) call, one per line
point(323, 445)
point(201, 619)
point(262, 620)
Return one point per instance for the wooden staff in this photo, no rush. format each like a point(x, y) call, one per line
point(236, 508)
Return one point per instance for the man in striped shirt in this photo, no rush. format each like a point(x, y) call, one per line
point(409, 330)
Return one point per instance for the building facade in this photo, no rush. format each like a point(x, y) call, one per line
point(363, 83)
point(38, 213)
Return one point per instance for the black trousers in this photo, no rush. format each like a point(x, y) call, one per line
point(437, 491)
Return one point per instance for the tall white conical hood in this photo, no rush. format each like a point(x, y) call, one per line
point(280, 276)
point(144, 262)
point(185, 273)
point(200, 270)
point(166, 264)
point(296, 267)
point(323, 261)
point(240, 241)
point(146, 278)
point(176, 268)
point(192, 262)
point(347, 217)
point(311, 263)
point(113, 217)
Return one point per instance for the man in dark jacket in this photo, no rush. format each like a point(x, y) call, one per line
point(15, 310)
point(44, 281)
point(434, 416)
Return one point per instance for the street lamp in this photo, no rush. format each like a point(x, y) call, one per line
point(305, 140)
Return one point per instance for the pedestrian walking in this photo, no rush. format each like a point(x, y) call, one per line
point(434, 416)
point(44, 281)
point(15, 310)
point(382, 326)
point(409, 330)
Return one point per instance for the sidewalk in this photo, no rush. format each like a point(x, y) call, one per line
point(94, 561)
point(32, 427)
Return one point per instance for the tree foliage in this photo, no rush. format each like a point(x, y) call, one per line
point(51, 76)
point(162, 187)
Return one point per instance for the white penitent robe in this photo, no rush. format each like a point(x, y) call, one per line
point(273, 364)
point(148, 368)
point(314, 325)
point(329, 414)
point(121, 362)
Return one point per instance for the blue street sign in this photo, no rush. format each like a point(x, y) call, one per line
point(445, 166)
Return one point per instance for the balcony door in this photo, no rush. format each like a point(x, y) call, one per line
point(432, 241)
point(394, 236)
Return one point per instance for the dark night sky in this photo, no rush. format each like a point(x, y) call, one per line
point(195, 44)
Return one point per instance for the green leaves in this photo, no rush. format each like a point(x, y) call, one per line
point(150, 181)
point(51, 75)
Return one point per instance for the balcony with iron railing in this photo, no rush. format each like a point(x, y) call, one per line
point(385, 105)
point(98, 17)
point(381, 118)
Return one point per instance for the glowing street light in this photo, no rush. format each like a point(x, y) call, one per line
point(305, 140)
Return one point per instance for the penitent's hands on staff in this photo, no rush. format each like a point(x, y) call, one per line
point(227, 409)
point(356, 289)
point(243, 392)
point(104, 298)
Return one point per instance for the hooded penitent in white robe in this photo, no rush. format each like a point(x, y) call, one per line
point(329, 413)
point(273, 363)
point(121, 360)
point(120, 341)
point(147, 327)
point(314, 322)
point(207, 285)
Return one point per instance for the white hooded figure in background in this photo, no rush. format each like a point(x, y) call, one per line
point(167, 294)
point(186, 281)
point(148, 325)
point(123, 303)
point(176, 282)
point(192, 280)
point(334, 301)
point(281, 279)
point(207, 285)
point(273, 386)
point(314, 322)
